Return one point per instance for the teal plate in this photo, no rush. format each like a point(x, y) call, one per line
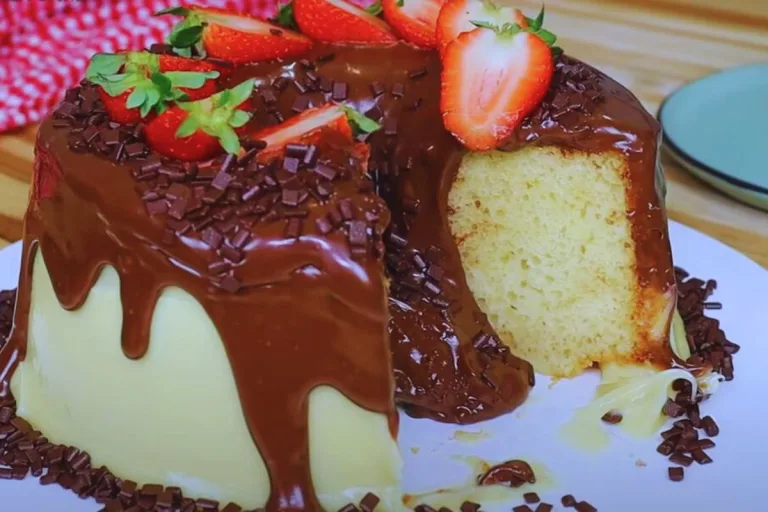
point(717, 128)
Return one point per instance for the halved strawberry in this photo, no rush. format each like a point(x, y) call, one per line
point(338, 21)
point(492, 79)
point(202, 129)
point(131, 84)
point(305, 127)
point(457, 17)
point(414, 20)
point(233, 36)
point(302, 128)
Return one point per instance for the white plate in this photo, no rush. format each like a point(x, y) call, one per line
point(629, 476)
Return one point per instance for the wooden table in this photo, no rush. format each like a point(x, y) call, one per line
point(651, 46)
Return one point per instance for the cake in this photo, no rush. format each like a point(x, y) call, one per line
point(563, 234)
point(230, 293)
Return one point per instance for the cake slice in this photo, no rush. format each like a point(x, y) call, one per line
point(217, 326)
point(563, 232)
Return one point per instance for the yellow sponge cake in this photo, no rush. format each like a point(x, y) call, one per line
point(564, 242)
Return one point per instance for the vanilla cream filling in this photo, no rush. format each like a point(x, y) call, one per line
point(173, 417)
point(638, 392)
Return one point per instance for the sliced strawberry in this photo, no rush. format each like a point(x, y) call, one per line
point(491, 80)
point(338, 21)
point(131, 85)
point(306, 127)
point(414, 20)
point(233, 36)
point(302, 128)
point(457, 17)
point(202, 129)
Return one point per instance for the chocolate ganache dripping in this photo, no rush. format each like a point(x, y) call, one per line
point(449, 365)
point(97, 217)
point(447, 361)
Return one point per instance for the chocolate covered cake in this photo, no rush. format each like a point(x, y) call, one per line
point(246, 247)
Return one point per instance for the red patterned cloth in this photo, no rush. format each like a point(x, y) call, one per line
point(45, 44)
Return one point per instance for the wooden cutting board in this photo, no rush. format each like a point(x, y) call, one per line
point(651, 46)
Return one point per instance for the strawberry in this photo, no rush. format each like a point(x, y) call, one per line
point(173, 63)
point(492, 78)
point(414, 20)
point(338, 21)
point(132, 85)
point(232, 36)
point(117, 109)
point(202, 129)
point(306, 127)
point(458, 16)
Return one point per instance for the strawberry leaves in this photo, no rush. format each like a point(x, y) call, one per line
point(239, 118)
point(534, 27)
point(187, 35)
point(537, 23)
point(188, 127)
point(139, 73)
point(218, 116)
point(190, 79)
point(106, 64)
point(360, 123)
point(284, 17)
point(176, 11)
point(375, 8)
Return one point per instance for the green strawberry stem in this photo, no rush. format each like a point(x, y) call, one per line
point(359, 122)
point(284, 17)
point(375, 8)
point(510, 29)
point(187, 35)
point(218, 116)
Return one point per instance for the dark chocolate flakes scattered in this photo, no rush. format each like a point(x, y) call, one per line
point(683, 443)
point(612, 417)
point(223, 201)
point(676, 474)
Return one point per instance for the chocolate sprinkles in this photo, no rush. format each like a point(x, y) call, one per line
point(683, 444)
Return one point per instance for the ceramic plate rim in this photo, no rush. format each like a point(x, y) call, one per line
point(691, 160)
